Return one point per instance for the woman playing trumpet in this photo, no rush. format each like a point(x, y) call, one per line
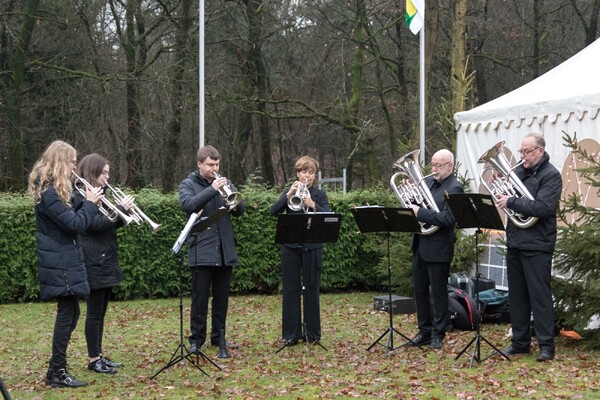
point(61, 271)
point(100, 251)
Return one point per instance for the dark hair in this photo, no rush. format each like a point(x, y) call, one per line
point(306, 162)
point(208, 151)
point(90, 167)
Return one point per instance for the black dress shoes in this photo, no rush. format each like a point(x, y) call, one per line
point(62, 378)
point(546, 355)
point(110, 363)
point(511, 350)
point(419, 340)
point(290, 342)
point(194, 349)
point(101, 367)
point(436, 343)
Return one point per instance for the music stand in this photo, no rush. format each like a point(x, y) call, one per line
point(196, 223)
point(383, 219)
point(474, 210)
point(318, 227)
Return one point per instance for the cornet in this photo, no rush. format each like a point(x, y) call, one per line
point(231, 198)
point(114, 212)
point(296, 202)
point(135, 212)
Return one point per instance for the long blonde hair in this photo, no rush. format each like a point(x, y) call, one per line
point(53, 168)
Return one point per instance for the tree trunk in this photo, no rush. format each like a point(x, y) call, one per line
point(458, 61)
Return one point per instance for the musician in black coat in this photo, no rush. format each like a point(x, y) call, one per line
point(433, 253)
point(302, 263)
point(530, 249)
point(100, 251)
point(211, 253)
point(61, 270)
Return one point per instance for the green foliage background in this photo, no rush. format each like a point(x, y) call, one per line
point(356, 262)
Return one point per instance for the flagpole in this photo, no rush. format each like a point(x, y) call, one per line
point(422, 92)
point(201, 73)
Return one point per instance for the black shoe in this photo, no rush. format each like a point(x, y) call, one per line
point(62, 378)
point(511, 350)
point(436, 343)
point(290, 342)
point(419, 340)
point(110, 363)
point(194, 349)
point(228, 344)
point(101, 367)
point(546, 355)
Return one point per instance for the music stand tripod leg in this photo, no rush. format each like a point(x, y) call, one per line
point(181, 352)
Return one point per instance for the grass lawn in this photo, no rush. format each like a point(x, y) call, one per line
point(144, 334)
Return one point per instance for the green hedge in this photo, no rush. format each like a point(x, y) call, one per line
point(355, 262)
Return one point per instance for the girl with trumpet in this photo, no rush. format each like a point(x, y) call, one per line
point(100, 251)
point(61, 270)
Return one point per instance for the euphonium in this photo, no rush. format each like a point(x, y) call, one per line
point(296, 201)
point(114, 212)
point(415, 190)
point(231, 198)
point(508, 184)
point(136, 213)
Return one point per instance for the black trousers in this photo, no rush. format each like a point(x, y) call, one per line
point(301, 267)
point(67, 315)
point(426, 274)
point(205, 279)
point(529, 289)
point(97, 304)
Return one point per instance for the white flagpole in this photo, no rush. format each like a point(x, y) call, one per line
point(201, 73)
point(422, 92)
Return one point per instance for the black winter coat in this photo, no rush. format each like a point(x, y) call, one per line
point(545, 185)
point(215, 246)
point(100, 250)
point(61, 269)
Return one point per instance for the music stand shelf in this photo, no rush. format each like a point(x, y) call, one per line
point(474, 210)
point(378, 219)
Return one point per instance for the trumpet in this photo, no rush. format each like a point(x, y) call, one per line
point(111, 211)
point(296, 202)
point(231, 198)
point(135, 212)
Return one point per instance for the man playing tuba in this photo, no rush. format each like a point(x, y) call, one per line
point(529, 250)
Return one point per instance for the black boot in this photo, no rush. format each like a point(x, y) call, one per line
point(49, 376)
point(62, 378)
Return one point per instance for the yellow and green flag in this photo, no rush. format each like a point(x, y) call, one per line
point(415, 14)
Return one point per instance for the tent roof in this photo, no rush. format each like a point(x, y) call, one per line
point(572, 87)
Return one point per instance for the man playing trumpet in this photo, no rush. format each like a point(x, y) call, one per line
point(212, 252)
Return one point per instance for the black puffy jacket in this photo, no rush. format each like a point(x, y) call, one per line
point(204, 248)
point(545, 185)
point(61, 269)
point(100, 250)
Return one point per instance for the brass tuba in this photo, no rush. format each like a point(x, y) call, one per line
point(508, 184)
point(415, 190)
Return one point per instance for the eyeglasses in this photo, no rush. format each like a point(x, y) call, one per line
point(74, 162)
point(438, 165)
point(525, 152)
point(105, 173)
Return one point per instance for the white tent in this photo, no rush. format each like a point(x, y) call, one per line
point(567, 98)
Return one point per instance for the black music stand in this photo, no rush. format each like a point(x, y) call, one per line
point(4, 390)
point(474, 210)
point(318, 227)
point(196, 223)
point(384, 219)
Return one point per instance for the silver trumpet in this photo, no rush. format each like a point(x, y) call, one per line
point(112, 212)
point(135, 212)
point(508, 183)
point(231, 198)
point(410, 187)
point(296, 202)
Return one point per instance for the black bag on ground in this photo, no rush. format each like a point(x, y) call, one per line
point(496, 308)
point(462, 310)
